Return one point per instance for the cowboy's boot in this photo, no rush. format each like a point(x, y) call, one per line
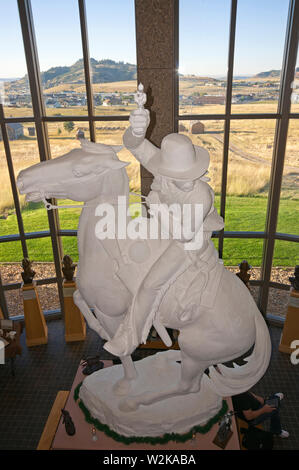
point(125, 340)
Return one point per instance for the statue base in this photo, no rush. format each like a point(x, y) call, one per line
point(161, 372)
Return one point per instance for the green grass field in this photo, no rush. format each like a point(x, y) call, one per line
point(242, 214)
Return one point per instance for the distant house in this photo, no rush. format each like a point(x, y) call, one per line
point(14, 130)
point(31, 131)
point(80, 134)
point(182, 128)
point(295, 98)
point(208, 99)
point(198, 128)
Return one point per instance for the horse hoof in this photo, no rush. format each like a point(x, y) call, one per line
point(128, 405)
point(122, 387)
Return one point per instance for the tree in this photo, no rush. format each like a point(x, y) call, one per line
point(69, 126)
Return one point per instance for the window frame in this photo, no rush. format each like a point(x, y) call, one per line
point(40, 119)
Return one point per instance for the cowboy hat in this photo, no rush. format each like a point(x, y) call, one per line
point(179, 159)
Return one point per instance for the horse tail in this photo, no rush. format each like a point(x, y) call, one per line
point(228, 381)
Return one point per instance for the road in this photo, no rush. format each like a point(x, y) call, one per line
point(252, 158)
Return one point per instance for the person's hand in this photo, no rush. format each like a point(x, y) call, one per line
point(139, 120)
point(268, 408)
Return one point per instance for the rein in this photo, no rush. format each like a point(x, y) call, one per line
point(50, 206)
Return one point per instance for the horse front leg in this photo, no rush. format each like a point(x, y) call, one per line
point(191, 373)
point(110, 325)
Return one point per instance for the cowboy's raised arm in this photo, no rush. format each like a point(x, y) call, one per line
point(134, 137)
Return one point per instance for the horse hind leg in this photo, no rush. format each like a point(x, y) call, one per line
point(191, 374)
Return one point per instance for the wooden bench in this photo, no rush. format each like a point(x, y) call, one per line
point(50, 428)
point(243, 424)
point(13, 348)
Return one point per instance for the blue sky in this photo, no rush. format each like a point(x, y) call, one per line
point(204, 29)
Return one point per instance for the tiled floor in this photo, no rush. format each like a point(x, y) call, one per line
point(26, 399)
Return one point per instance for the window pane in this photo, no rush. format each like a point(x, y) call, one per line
point(48, 294)
point(8, 219)
point(203, 48)
point(295, 94)
point(259, 46)
point(10, 252)
point(40, 249)
point(58, 36)
point(288, 217)
point(111, 133)
point(250, 154)
point(286, 255)
point(107, 132)
point(70, 248)
point(24, 151)
point(278, 300)
point(14, 85)
point(236, 250)
point(208, 134)
point(14, 303)
point(65, 136)
point(251, 250)
point(113, 61)
point(285, 259)
point(116, 98)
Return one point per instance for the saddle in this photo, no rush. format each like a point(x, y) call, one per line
point(199, 285)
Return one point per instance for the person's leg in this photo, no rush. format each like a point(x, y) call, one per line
point(273, 397)
point(275, 425)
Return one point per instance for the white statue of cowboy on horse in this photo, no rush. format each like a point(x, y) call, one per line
point(124, 286)
point(179, 170)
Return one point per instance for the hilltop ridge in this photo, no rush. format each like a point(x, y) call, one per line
point(103, 71)
point(271, 73)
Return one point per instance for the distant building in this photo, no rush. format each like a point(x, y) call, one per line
point(209, 99)
point(80, 134)
point(295, 98)
point(198, 128)
point(182, 128)
point(14, 130)
point(31, 131)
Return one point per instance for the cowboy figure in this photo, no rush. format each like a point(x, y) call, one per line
point(179, 170)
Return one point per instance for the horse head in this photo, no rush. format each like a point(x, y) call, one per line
point(77, 175)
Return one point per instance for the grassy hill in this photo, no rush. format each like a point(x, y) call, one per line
point(103, 71)
point(272, 74)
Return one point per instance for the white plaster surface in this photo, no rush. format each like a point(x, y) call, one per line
point(156, 372)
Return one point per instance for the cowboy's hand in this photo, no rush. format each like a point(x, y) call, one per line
point(268, 408)
point(139, 120)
